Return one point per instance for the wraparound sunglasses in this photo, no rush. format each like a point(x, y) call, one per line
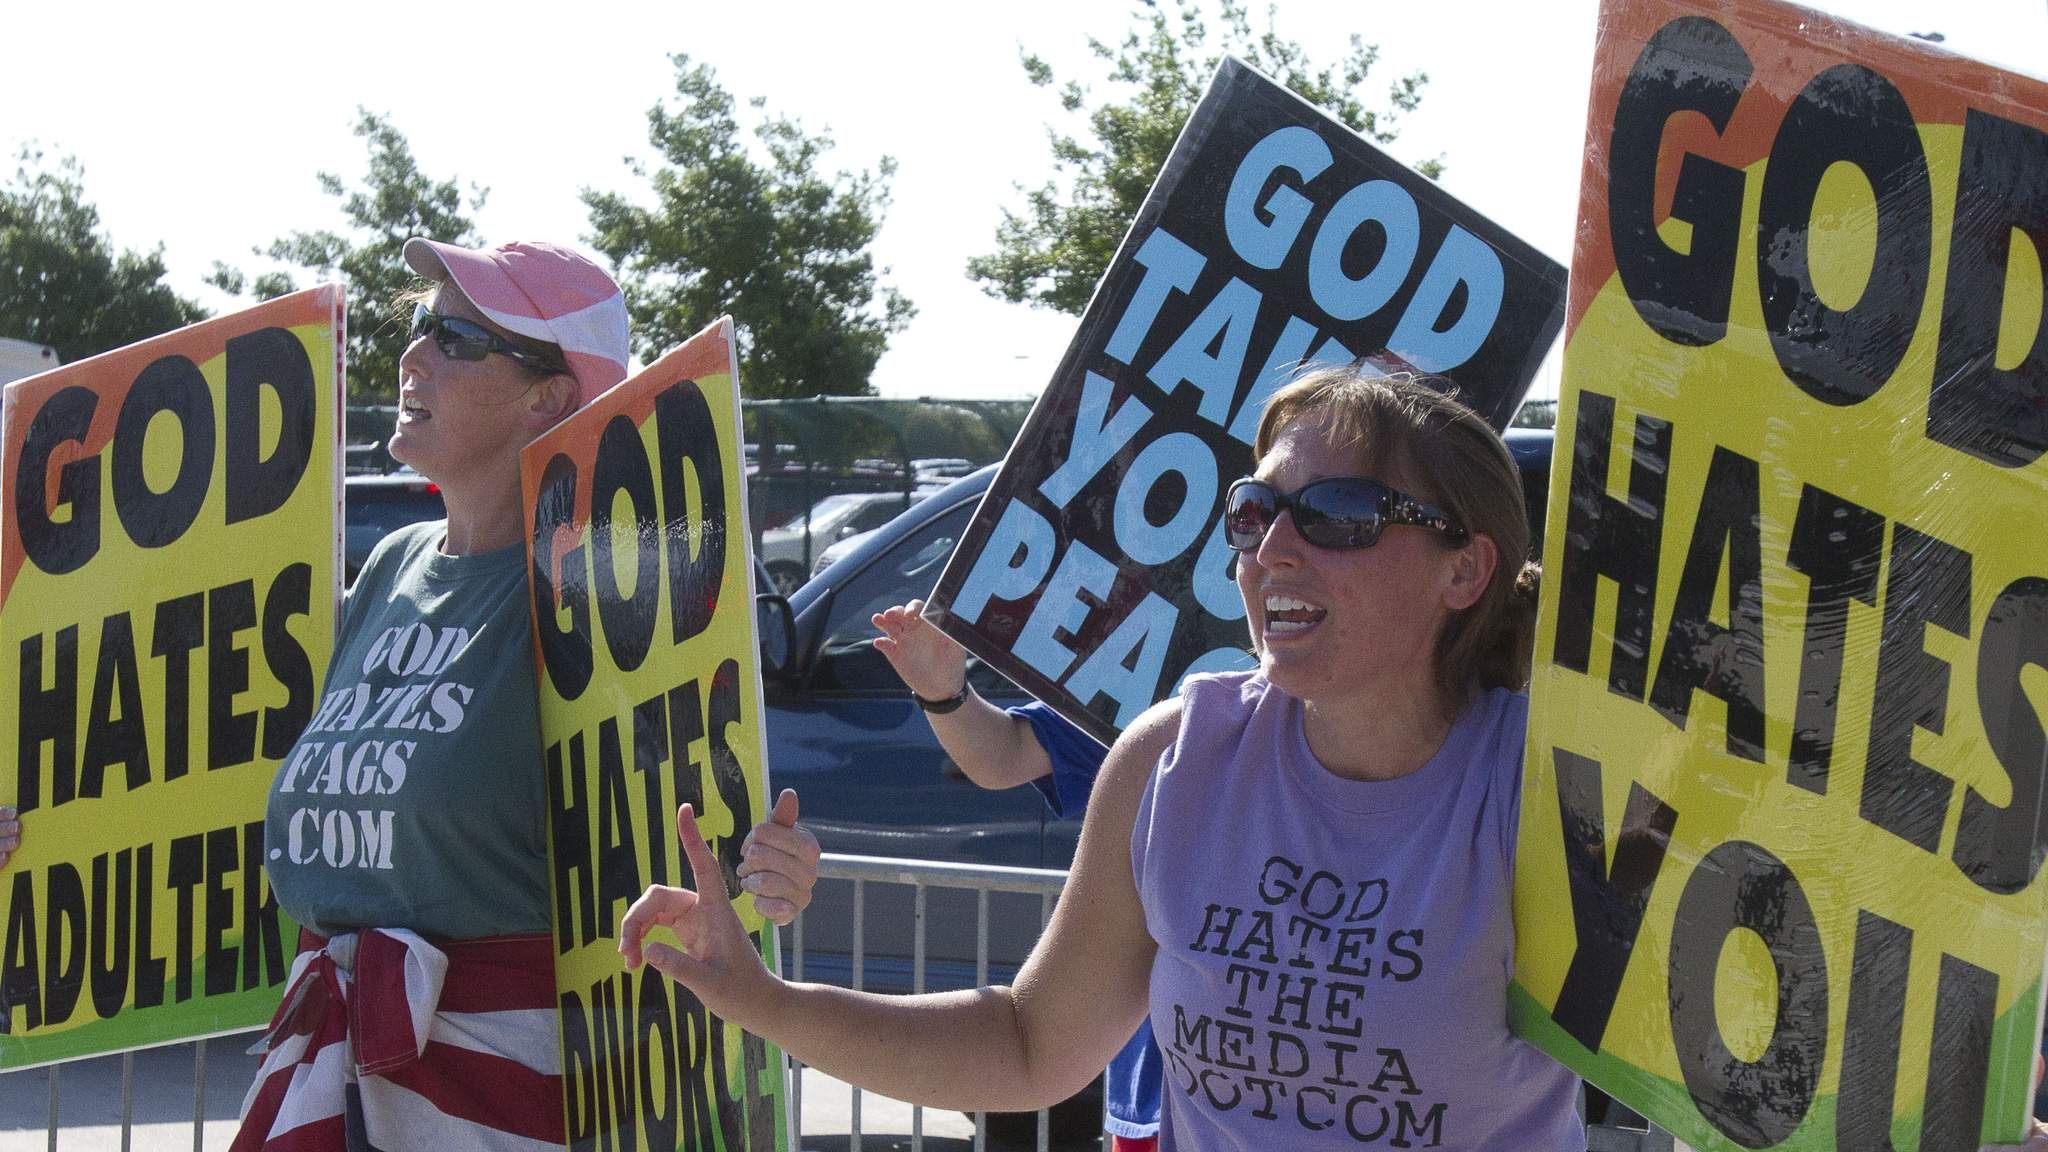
point(1340, 512)
point(460, 339)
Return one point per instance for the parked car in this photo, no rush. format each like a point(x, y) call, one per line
point(366, 435)
point(24, 358)
point(787, 549)
point(376, 505)
point(839, 549)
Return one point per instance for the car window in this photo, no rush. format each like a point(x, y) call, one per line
point(907, 571)
point(830, 508)
point(847, 660)
point(876, 514)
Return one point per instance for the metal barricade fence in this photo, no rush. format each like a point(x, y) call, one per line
point(920, 876)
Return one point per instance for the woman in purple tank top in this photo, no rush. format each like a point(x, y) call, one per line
point(1300, 874)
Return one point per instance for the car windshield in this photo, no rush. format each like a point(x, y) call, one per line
point(825, 512)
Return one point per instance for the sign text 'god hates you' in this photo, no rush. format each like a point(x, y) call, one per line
point(1778, 877)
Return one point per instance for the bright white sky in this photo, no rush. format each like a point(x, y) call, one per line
point(201, 126)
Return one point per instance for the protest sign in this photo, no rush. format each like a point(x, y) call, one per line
point(1095, 574)
point(169, 566)
point(650, 697)
point(1778, 875)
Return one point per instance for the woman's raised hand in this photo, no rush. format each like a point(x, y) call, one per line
point(10, 834)
point(930, 663)
point(717, 960)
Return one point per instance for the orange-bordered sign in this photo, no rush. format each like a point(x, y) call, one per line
point(169, 569)
point(650, 697)
point(1778, 876)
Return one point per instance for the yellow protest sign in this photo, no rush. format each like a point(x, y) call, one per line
point(1778, 876)
point(650, 697)
point(169, 566)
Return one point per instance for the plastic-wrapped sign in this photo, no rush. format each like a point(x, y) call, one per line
point(1778, 881)
point(1095, 574)
point(650, 696)
point(169, 567)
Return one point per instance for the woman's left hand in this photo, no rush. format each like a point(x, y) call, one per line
point(779, 862)
point(716, 959)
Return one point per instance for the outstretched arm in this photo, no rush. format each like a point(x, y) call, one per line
point(994, 748)
point(1075, 1003)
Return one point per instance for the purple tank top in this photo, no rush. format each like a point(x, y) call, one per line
point(1334, 954)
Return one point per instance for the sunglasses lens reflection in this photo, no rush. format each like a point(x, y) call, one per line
point(1249, 513)
point(1339, 513)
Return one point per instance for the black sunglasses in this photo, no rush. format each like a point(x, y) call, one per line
point(1341, 512)
point(460, 339)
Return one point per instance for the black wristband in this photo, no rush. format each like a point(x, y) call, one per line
point(941, 707)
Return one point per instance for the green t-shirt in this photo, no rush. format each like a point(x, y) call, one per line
point(415, 798)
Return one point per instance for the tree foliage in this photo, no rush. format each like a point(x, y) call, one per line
point(395, 202)
point(62, 282)
point(1052, 252)
point(755, 229)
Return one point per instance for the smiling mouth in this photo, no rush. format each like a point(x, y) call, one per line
point(1287, 616)
point(413, 410)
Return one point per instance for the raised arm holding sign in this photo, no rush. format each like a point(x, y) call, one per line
point(1095, 575)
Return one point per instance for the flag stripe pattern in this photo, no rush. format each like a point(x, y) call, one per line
point(449, 1045)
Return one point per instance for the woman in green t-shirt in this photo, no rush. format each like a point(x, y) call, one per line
point(408, 827)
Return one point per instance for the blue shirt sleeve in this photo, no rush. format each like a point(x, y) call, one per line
point(1075, 756)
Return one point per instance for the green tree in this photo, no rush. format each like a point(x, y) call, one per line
point(61, 281)
point(1052, 252)
point(758, 231)
point(395, 202)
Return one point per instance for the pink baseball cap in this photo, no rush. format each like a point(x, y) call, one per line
point(542, 292)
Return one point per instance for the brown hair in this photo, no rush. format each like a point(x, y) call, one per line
point(1446, 454)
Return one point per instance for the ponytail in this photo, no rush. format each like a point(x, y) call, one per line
point(1505, 661)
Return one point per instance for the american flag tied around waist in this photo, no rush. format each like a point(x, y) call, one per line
point(387, 1041)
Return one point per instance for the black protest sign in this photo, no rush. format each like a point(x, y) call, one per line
point(1095, 574)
